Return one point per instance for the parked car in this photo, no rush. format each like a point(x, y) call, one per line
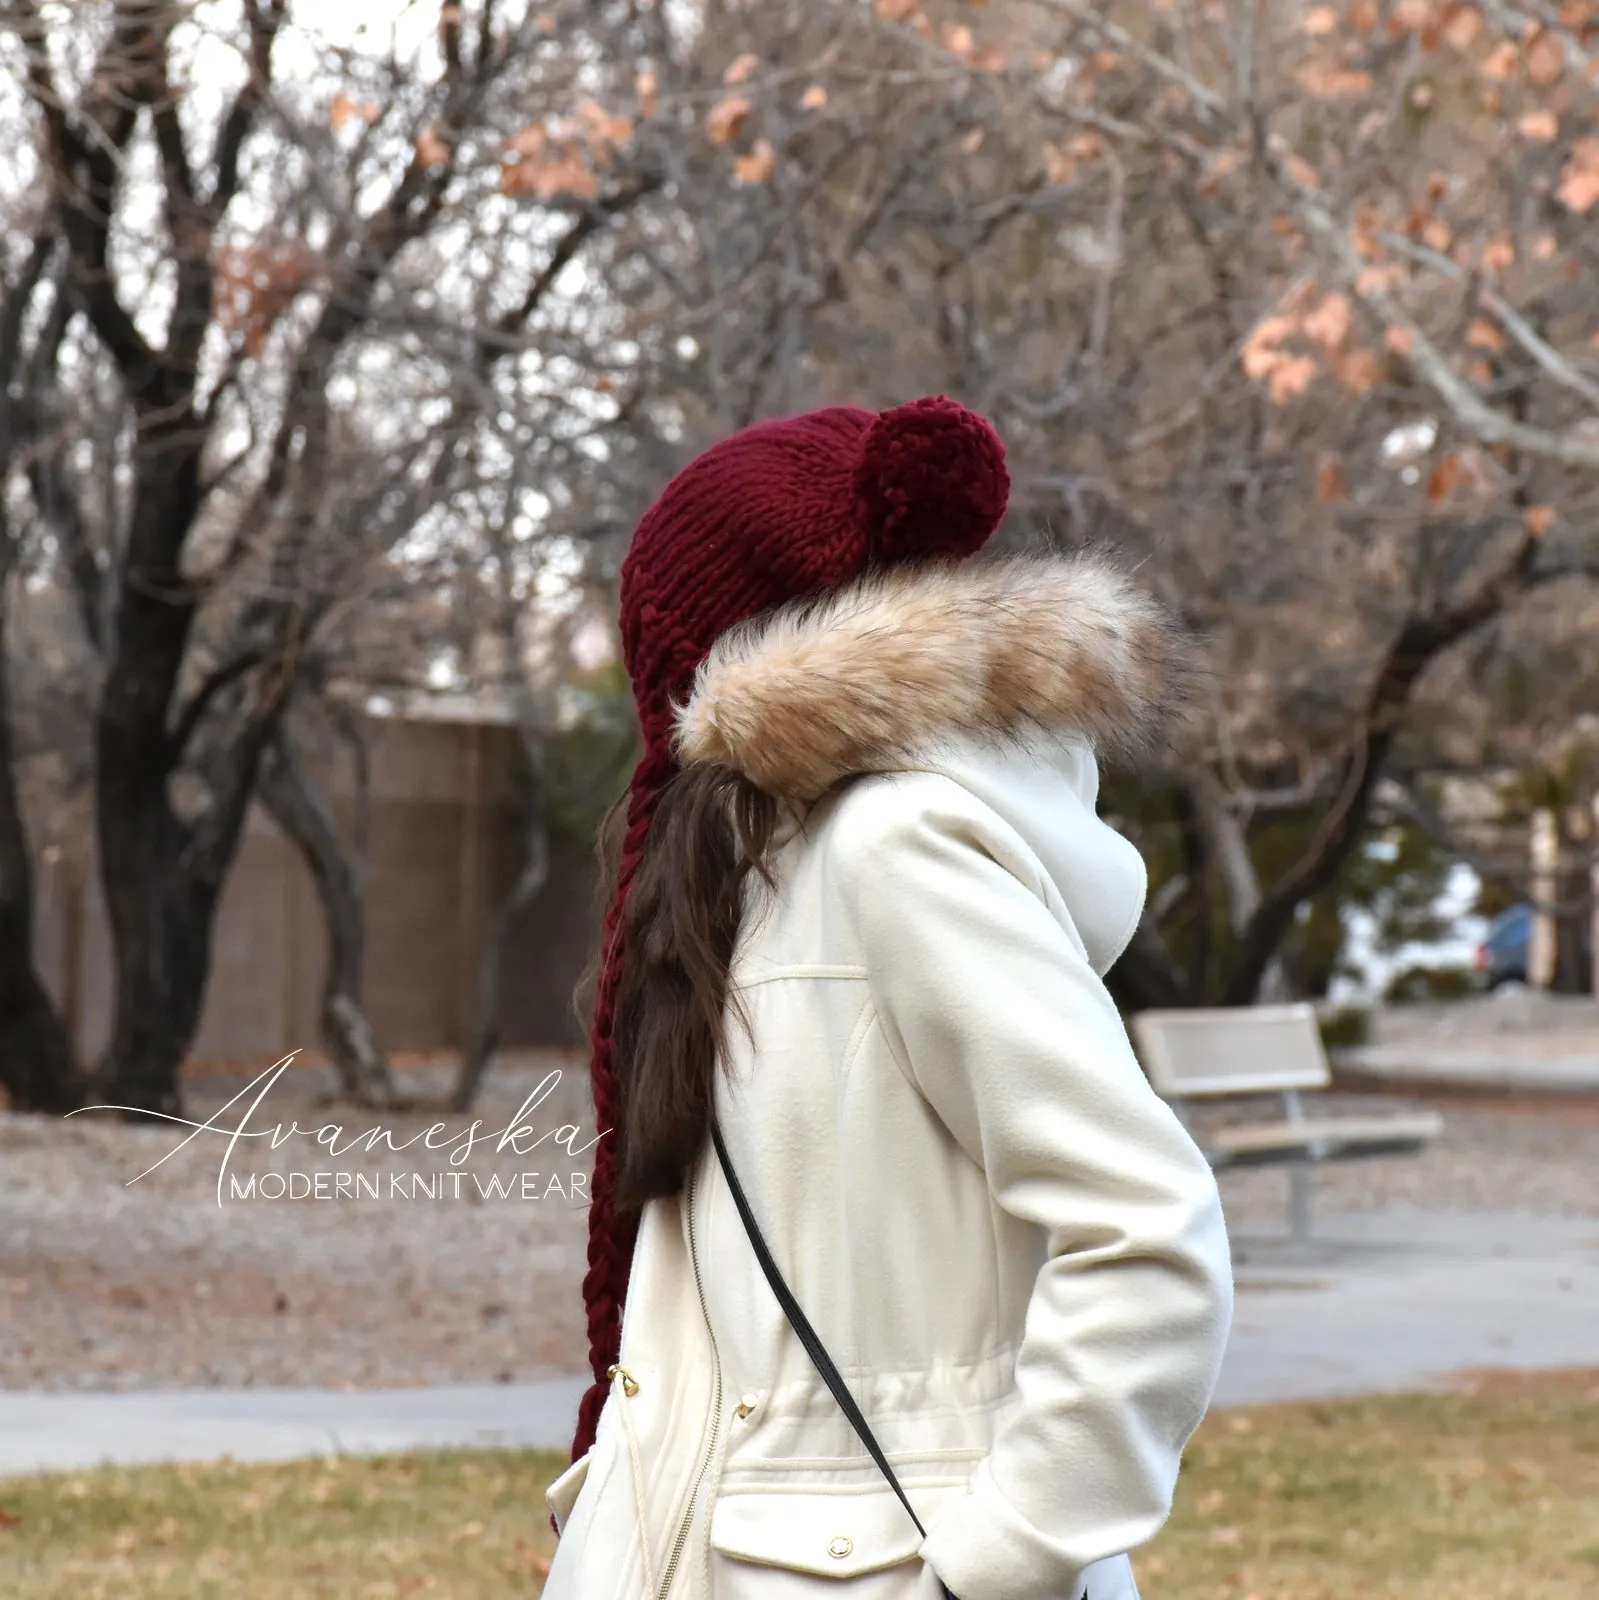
point(1505, 951)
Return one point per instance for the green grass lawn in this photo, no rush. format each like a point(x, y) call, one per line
point(1491, 1493)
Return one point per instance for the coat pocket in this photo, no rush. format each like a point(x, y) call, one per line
point(832, 1536)
point(562, 1495)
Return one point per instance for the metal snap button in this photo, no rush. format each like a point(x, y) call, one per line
point(747, 1404)
point(840, 1545)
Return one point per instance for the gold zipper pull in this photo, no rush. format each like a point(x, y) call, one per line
point(629, 1382)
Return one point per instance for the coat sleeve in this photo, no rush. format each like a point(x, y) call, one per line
point(984, 994)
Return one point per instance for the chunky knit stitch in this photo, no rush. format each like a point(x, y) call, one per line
point(778, 511)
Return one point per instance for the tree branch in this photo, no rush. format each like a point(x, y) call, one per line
point(1468, 408)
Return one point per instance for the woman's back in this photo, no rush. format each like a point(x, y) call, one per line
point(1008, 1244)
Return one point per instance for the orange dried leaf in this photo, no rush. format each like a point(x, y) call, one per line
point(1484, 335)
point(255, 285)
point(1546, 59)
point(814, 98)
point(1273, 330)
point(1544, 247)
point(1443, 478)
point(1501, 62)
point(758, 165)
point(1290, 378)
point(345, 110)
point(1058, 166)
point(1578, 189)
point(431, 150)
point(607, 131)
point(1363, 15)
point(1480, 372)
point(1463, 26)
point(1436, 235)
point(991, 58)
point(1499, 253)
point(1320, 20)
point(1373, 280)
point(1220, 164)
point(973, 141)
point(958, 40)
point(647, 87)
point(1329, 323)
point(1331, 484)
point(1301, 171)
point(740, 68)
point(528, 141)
point(1259, 361)
point(560, 171)
point(1541, 126)
point(1358, 370)
point(1327, 81)
point(725, 120)
point(1538, 520)
point(1400, 340)
point(895, 10)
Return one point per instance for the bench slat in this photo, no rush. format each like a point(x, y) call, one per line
point(1405, 1127)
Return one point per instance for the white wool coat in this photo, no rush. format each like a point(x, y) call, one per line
point(1010, 1246)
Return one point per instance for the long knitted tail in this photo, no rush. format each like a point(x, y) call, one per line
point(611, 1235)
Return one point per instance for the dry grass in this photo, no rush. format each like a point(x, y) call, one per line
point(1491, 1493)
point(451, 1525)
point(1485, 1494)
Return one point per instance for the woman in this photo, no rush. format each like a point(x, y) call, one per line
point(861, 913)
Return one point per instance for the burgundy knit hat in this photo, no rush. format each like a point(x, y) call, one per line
point(778, 511)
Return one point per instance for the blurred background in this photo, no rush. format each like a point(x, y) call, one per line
point(341, 346)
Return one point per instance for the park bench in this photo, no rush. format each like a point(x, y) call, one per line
point(1235, 1052)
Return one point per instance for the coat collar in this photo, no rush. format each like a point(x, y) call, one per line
point(864, 677)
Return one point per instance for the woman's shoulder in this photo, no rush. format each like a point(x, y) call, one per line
point(880, 823)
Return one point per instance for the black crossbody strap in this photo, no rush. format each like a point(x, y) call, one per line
point(814, 1347)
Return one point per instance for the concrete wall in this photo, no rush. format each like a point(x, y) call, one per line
point(444, 848)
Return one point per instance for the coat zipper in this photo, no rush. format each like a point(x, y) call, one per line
point(716, 1411)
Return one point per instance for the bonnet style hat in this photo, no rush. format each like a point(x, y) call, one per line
point(780, 511)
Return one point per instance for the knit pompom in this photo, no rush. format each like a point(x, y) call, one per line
point(932, 480)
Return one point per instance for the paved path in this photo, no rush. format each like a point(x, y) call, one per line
point(1532, 1066)
point(1387, 1301)
point(1392, 1301)
point(42, 1432)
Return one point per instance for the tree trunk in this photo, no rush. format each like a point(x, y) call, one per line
point(347, 1034)
point(161, 918)
point(36, 1059)
point(158, 907)
point(484, 1037)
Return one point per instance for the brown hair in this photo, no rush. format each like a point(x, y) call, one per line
point(711, 828)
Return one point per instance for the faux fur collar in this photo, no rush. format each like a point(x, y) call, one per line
point(858, 679)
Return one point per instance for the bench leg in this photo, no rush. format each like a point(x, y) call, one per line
point(1299, 1201)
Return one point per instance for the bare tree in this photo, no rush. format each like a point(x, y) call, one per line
point(227, 550)
point(1286, 302)
point(37, 1068)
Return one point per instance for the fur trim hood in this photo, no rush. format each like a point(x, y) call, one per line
point(858, 679)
